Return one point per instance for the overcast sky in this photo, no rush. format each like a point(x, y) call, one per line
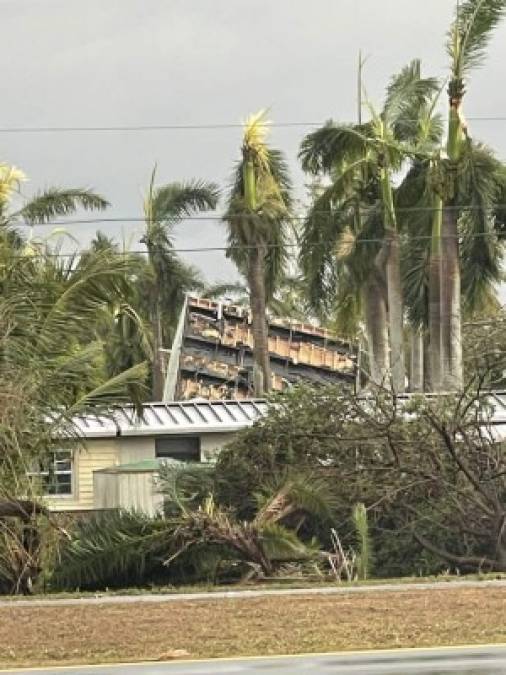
point(141, 62)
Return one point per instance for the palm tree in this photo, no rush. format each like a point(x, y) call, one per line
point(51, 370)
point(165, 206)
point(481, 184)
point(257, 218)
point(125, 327)
point(361, 161)
point(467, 41)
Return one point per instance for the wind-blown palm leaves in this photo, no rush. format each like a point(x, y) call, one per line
point(257, 217)
point(166, 206)
point(360, 161)
point(45, 205)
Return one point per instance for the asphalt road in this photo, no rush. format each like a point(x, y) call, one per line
point(470, 661)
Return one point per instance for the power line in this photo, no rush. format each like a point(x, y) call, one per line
point(139, 219)
point(188, 127)
point(209, 249)
point(148, 127)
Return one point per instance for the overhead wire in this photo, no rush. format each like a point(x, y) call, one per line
point(191, 127)
point(140, 219)
point(208, 249)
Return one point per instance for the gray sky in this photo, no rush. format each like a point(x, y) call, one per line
point(138, 62)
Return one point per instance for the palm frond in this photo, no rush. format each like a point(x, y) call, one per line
point(281, 544)
point(115, 390)
point(185, 485)
point(471, 33)
point(482, 252)
point(112, 546)
point(333, 144)
point(235, 292)
point(321, 232)
point(254, 144)
point(10, 181)
point(407, 93)
point(56, 202)
point(95, 282)
point(173, 202)
point(268, 225)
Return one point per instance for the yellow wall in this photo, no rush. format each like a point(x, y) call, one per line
point(99, 453)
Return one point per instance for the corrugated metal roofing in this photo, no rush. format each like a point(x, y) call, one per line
point(198, 416)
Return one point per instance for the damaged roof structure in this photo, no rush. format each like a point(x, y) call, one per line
point(212, 353)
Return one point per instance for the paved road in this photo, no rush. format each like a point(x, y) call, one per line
point(468, 661)
point(239, 594)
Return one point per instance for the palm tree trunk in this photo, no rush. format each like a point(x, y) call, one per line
point(435, 347)
point(157, 375)
point(427, 382)
point(256, 282)
point(395, 313)
point(451, 331)
point(394, 286)
point(417, 355)
point(376, 324)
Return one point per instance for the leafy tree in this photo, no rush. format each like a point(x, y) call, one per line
point(430, 472)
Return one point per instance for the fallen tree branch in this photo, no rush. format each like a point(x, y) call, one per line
point(465, 561)
point(22, 508)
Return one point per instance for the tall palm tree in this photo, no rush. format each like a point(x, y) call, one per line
point(165, 206)
point(257, 217)
point(481, 184)
point(361, 161)
point(467, 42)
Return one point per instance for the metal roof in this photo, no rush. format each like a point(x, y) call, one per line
point(185, 417)
point(202, 416)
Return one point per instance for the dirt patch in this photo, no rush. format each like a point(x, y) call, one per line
point(269, 625)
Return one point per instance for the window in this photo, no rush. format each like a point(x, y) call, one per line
point(182, 448)
point(55, 473)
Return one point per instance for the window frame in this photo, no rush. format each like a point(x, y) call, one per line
point(47, 477)
point(191, 457)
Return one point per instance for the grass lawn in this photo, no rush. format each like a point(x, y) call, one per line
point(32, 636)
